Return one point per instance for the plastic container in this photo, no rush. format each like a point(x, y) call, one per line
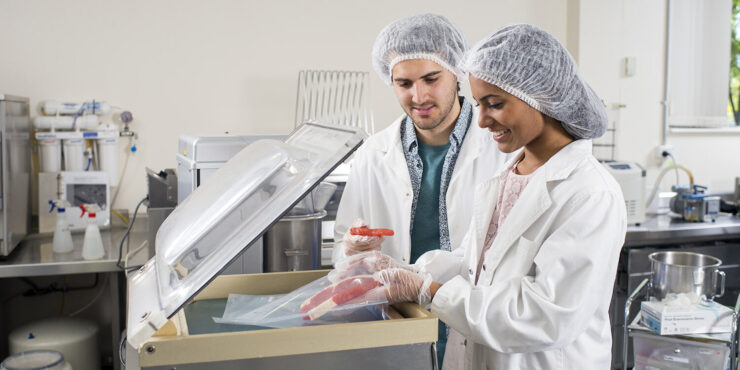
point(36, 360)
point(74, 154)
point(655, 352)
point(89, 122)
point(50, 151)
point(76, 339)
point(108, 158)
point(92, 247)
point(62, 241)
point(51, 107)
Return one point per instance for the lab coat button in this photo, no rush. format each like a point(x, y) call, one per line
point(470, 271)
point(484, 267)
point(465, 342)
point(407, 194)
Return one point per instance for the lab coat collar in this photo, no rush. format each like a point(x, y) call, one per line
point(534, 201)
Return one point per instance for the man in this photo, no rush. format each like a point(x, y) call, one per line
point(418, 175)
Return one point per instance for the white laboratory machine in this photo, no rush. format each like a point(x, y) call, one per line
point(15, 171)
point(77, 188)
point(631, 178)
point(214, 225)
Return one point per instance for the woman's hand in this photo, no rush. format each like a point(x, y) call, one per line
point(402, 285)
point(366, 263)
point(354, 244)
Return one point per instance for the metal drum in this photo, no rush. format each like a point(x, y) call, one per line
point(685, 272)
point(294, 243)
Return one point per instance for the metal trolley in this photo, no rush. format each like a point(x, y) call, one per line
point(628, 328)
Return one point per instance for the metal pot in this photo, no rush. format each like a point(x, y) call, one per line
point(685, 272)
point(294, 243)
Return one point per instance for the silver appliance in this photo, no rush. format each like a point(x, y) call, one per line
point(15, 169)
point(199, 156)
point(162, 190)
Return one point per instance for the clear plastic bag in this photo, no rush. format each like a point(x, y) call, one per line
point(351, 299)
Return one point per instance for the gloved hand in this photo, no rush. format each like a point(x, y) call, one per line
point(402, 285)
point(365, 263)
point(354, 244)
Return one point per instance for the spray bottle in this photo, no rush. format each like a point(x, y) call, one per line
point(62, 242)
point(92, 248)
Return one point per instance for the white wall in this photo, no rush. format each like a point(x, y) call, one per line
point(211, 66)
point(612, 30)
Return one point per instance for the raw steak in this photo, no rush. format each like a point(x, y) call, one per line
point(337, 294)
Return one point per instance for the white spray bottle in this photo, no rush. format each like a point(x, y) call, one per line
point(62, 241)
point(92, 247)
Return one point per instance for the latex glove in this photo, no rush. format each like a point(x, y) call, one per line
point(402, 285)
point(365, 263)
point(354, 244)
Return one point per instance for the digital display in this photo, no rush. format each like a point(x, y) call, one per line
point(620, 166)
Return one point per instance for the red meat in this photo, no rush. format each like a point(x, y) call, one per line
point(365, 231)
point(337, 294)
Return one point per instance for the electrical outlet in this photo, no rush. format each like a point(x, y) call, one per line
point(660, 149)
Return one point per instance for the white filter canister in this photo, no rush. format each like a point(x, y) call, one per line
point(50, 159)
point(108, 158)
point(88, 122)
point(74, 155)
point(76, 339)
point(51, 107)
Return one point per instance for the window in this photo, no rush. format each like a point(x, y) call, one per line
point(698, 66)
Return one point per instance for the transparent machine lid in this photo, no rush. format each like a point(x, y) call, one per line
point(213, 225)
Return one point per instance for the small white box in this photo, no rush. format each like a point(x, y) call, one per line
point(706, 317)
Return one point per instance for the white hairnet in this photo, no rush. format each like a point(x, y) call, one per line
point(532, 65)
point(422, 36)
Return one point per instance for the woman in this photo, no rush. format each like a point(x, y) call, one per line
point(531, 287)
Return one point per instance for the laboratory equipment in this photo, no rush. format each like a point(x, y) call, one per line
point(92, 247)
point(631, 179)
point(685, 272)
point(211, 227)
point(76, 339)
point(162, 190)
point(693, 204)
point(50, 155)
point(77, 188)
point(66, 122)
point(51, 107)
point(108, 157)
point(336, 97)
point(15, 171)
point(74, 154)
point(62, 239)
point(199, 156)
point(36, 360)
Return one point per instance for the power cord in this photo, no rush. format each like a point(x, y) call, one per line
point(128, 230)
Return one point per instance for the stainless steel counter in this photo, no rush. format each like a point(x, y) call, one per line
point(666, 229)
point(34, 256)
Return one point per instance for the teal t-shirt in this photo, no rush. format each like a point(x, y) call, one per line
point(425, 230)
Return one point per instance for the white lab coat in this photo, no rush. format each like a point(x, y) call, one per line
point(543, 295)
point(379, 187)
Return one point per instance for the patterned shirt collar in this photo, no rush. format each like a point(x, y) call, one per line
point(408, 133)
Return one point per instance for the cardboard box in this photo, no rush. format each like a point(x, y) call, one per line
point(411, 325)
point(697, 318)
